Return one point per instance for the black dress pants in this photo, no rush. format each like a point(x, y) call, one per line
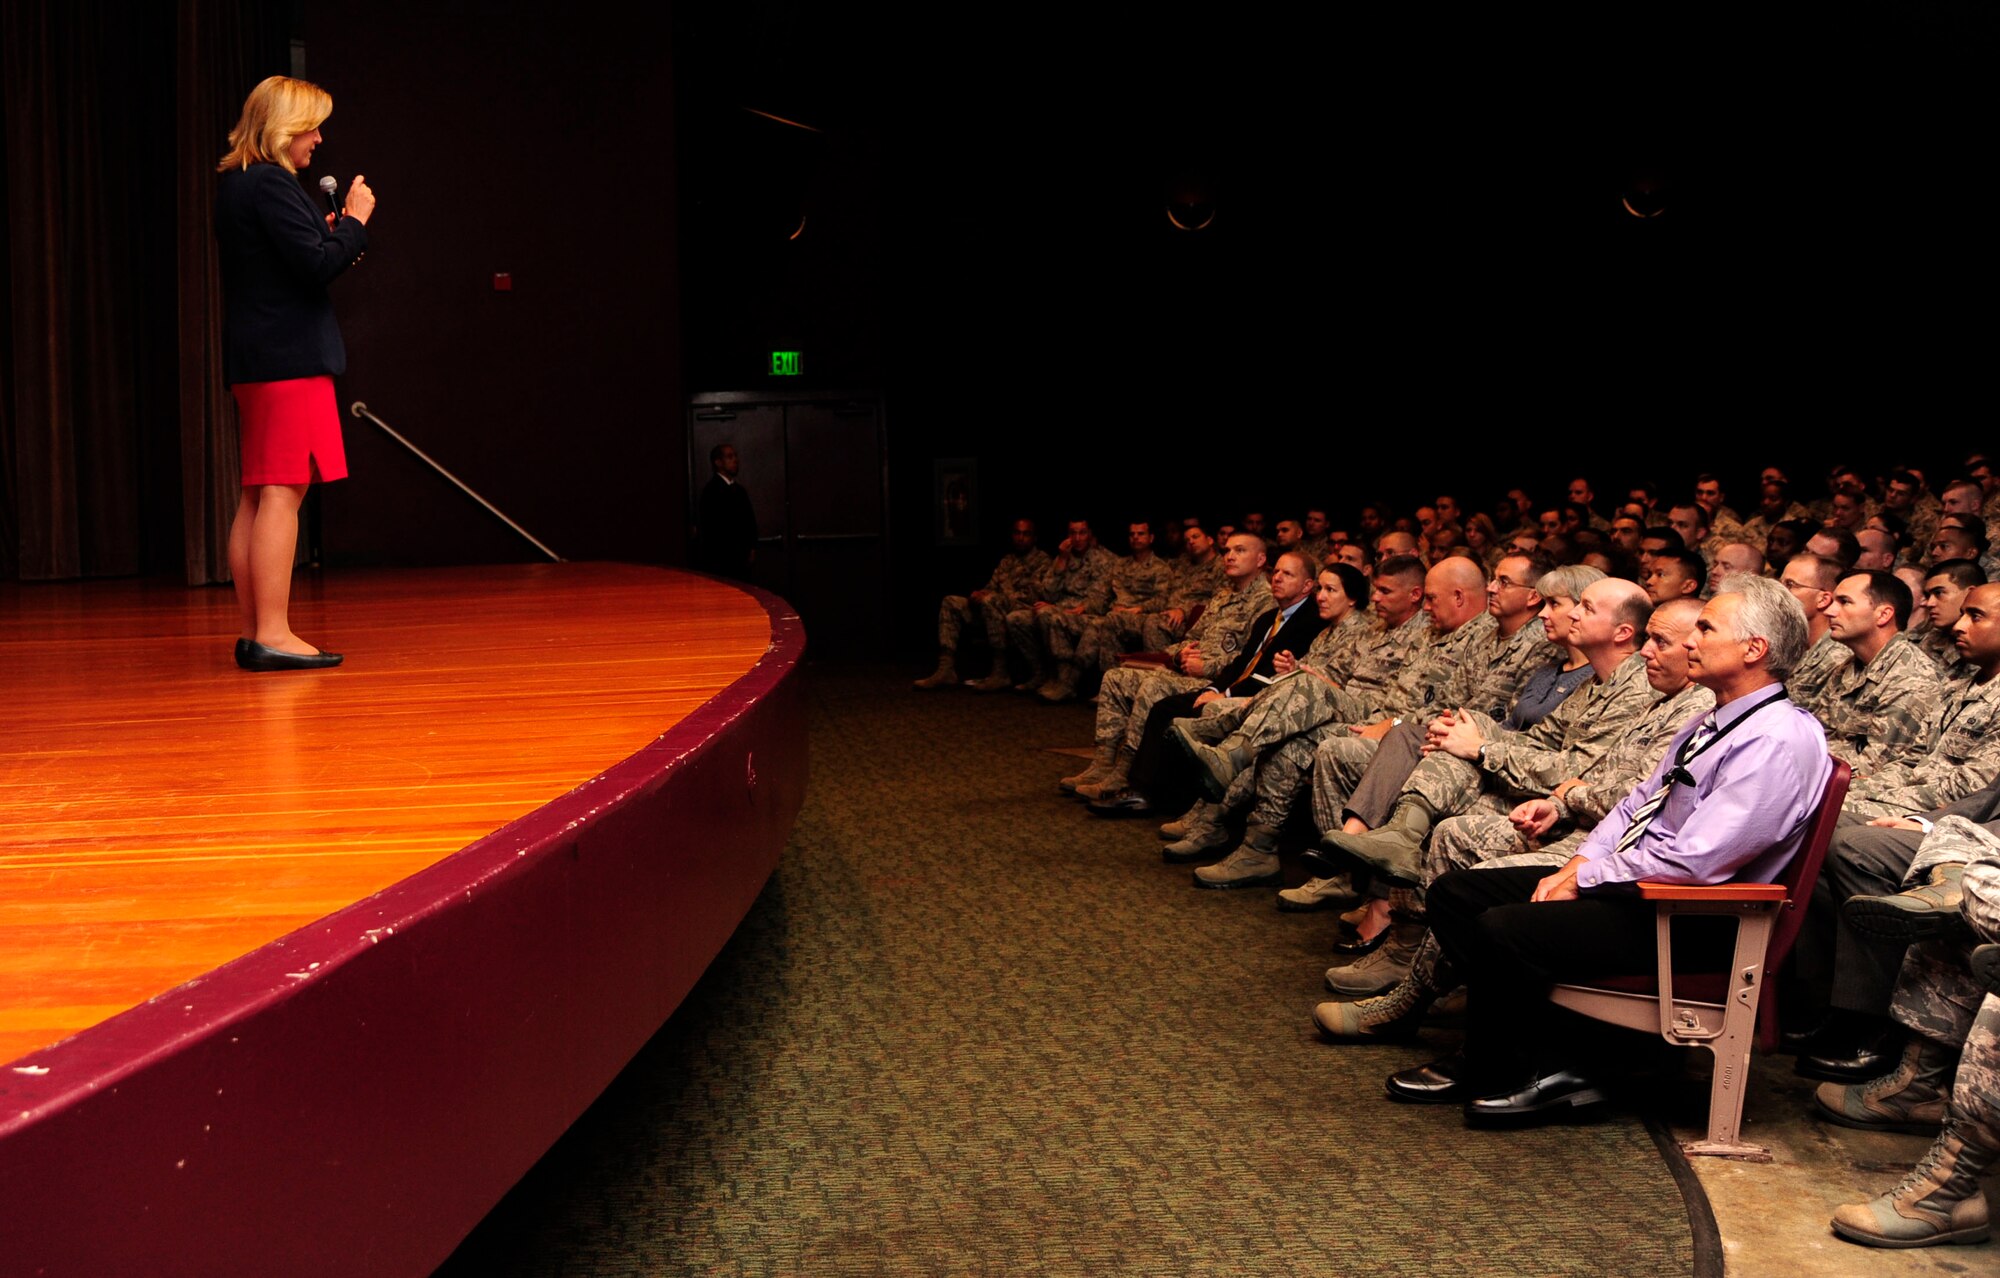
point(1513, 950)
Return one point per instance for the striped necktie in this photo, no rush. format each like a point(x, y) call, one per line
point(1703, 734)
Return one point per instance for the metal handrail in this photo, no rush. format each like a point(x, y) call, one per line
point(360, 409)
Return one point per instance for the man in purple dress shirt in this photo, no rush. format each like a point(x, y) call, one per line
point(1728, 803)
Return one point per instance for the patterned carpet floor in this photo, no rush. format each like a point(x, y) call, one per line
point(970, 1029)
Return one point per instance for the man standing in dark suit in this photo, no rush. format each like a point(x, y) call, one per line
point(725, 526)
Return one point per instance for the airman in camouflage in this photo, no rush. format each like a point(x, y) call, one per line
point(1016, 583)
point(1875, 712)
point(1197, 575)
point(1962, 754)
point(1954, 1021)
point(1945, 588)
point(1078, 582)
point(1077, 642)
point(1475, 838)
point(1279, 735)
point(1473, 756)
point(1810, 681)
point(1811, 578)
point(1129, 693)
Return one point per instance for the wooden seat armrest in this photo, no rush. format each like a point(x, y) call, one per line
point(1718, 892)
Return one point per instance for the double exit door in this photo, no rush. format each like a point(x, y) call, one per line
point(816, 469)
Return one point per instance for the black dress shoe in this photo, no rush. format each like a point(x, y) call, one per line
point(1350, 942)
point(1872, 1056)
point(1563, 1094)
point(1442, 1082)
point(252, 655)
point(1324, 864)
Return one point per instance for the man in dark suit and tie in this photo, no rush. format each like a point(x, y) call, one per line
point(725, 526)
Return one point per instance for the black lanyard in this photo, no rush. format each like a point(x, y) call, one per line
point(1689, 752)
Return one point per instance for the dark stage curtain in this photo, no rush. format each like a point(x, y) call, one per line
point(225, 47)
point(111, 408)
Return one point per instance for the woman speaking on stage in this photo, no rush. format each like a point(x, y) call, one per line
point(281, 348)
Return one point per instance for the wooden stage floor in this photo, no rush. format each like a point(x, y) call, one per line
point(162, 812)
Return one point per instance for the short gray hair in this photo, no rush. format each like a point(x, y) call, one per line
point(1569, 581)
point(1771, 613)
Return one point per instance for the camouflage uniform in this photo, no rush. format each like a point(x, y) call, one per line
point(1094, 643)
point(1941, 648)
point(1335, 653)
point(1807, 684)
point(1129, 693)
point(1961, 754)
point(1479, 837)
point(1491, 679)
point(1875, 714)
point(1286, 738)
point(1084, 582)
point(1193, 584)
point(1757, 528)
point(1336, 649)
point(1520, 764)
point(1936, 995)
point(1921, 527)
point(1016, 583)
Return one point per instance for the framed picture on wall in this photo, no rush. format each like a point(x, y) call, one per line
point(955, 500)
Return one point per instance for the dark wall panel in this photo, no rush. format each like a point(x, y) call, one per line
point(513, 139)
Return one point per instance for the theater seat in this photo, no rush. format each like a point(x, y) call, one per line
point(1721, 1011)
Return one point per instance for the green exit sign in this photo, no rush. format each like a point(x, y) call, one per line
point(785, 364)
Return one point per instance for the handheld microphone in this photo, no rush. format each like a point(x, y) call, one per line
point(327, 187)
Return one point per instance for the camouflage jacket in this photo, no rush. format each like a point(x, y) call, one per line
point(1940, 647)
point(1335, 649)
point(1875, 714)
point(1490, 679)
point(1962, 753)
point(1382, 660)
point(1083, 579)
point(1574, 736)
point(1219, 633)
point(1141, 583)
point(1807, 685)
point(1194, 583)
point(1422, 685)
point(1634, 755)
point(1017, 579)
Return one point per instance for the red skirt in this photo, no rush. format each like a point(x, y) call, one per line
point(288, 428)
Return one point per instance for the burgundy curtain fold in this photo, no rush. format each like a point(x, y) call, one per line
point(116, 441)
point(224, 47)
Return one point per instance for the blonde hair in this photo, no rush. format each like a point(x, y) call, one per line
point(277, 111)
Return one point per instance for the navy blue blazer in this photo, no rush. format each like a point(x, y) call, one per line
point(278, 255)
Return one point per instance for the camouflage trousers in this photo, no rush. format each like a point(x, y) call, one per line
point(957, 612)
point(1109, 637)
point(1024, 639)
point(1489, 838)
point(1935, 993)
point(1450, 784)
point(1062, 631)
point(1339, 762)
point(1157, 632)
point(1285, 728)
point(1127, 696)
point(1954, 838)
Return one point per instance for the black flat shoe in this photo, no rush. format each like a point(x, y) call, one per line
point(252, 655)
point(1442, 1082)
point(1563, 1094)
point(1351, 942)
